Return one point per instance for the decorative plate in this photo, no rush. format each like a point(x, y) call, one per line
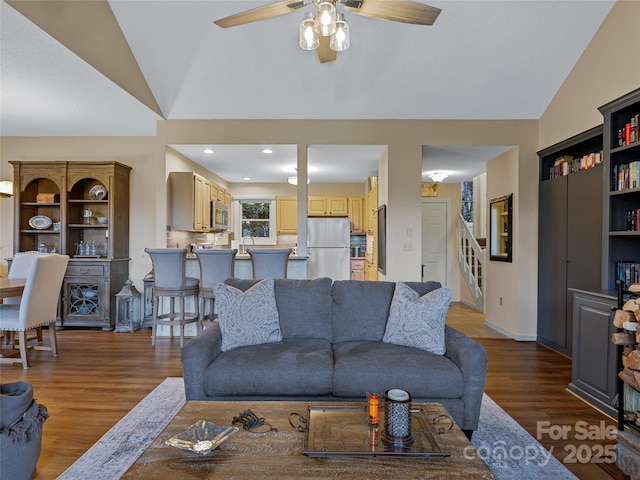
point(97, 192)
point(40, 222)
point(202, 437)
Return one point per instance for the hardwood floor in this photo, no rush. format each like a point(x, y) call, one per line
point(99, 376)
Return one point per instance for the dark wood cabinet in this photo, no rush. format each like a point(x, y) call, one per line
point(63, 194)
point(570, 236)
point(594, 364)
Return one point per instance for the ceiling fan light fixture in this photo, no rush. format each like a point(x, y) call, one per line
point(326, 18)
point(309, 39)
point(340, 41)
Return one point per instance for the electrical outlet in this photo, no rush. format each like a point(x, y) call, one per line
point(408, 246)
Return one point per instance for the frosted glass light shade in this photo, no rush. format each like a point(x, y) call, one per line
point(340, 40)
point(309, 39)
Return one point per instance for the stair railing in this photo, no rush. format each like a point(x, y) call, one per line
point(471, 258)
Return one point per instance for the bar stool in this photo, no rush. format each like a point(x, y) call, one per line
point(269, 262)
point(169, 266)
point(215, 267)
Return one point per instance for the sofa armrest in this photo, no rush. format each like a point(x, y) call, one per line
point(471, 358)
point(197, 354)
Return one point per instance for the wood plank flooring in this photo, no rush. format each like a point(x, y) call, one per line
point(99, 376)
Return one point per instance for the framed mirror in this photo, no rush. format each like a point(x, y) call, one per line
point(500, 225)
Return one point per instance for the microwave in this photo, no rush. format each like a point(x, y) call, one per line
point(219, 216)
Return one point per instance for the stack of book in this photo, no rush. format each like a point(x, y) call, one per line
point(567, 164)
point(626, 176)
point(630, 133)
point(628, 272)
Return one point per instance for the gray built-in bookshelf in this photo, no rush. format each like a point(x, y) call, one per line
point(621, 205)
point(570, 231)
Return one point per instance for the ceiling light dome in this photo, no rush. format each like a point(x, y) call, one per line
point(293, 180)
point(437, 176)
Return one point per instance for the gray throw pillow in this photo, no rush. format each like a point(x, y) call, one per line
point(249, 317)
point(418, 322)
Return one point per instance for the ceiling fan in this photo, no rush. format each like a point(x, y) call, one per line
point(327, 31)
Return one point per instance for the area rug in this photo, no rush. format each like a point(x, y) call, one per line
point(504, 445)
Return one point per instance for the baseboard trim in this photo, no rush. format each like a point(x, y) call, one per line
point(508, 333)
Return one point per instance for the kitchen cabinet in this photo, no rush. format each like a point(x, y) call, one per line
point(287, 215)
point(370, 210)
point(221, 194)
point(371, 271)
point(227, 198)
point(355, 214)
point(328, 206)
point(189, 201)
point(213, 192)
point(65, 192)
point(357, 269)
point(594, 360)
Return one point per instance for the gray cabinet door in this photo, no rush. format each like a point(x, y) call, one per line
point(594, 361)
point(552, 264)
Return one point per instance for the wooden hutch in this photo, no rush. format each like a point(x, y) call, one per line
point(57, 206)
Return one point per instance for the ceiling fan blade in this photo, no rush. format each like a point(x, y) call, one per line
point(262, 13)
point(325, 54)
point(404, 11)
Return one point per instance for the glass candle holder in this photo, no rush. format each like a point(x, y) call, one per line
point(373, 402)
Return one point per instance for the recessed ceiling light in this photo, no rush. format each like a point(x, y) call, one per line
point(246, 179)
point(208, 151)
point(267, 151)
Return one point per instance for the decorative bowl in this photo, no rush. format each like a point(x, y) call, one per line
point(103, 220)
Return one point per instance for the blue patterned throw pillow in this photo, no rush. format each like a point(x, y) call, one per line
point(418, 322)
point(247, 318)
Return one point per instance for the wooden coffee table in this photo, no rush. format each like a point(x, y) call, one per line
point(278, 455)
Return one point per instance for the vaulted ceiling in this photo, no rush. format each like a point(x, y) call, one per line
point(115, 68)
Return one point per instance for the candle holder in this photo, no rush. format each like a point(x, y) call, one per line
point(373, 408)
point(397, 418)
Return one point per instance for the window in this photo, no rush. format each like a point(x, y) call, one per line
point(255, 217)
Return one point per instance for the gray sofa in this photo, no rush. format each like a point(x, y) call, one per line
point(332, 349)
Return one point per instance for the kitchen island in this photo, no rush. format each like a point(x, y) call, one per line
point(296, 266)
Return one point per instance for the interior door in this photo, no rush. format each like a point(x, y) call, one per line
point(435, 241)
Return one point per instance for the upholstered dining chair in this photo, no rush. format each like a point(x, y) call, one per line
point(21, 265)
point(269, 262)
point(215, 267)
point(38, 306)
point(171, 281)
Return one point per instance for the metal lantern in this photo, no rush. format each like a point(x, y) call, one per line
point(128, 308)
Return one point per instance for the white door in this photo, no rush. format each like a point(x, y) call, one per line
point(435, 241)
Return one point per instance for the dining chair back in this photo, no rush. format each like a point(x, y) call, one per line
point(215, 267)
point(171, 282)
point(38, 305)
point(269, 262)
point(21, 266)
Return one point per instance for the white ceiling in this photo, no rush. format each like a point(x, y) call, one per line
point(480, 60)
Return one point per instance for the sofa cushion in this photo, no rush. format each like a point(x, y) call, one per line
point(289, 367)
point(360, 309)
point(304, 306)
point(364, 366)
point(416, 321)
point(249, 317)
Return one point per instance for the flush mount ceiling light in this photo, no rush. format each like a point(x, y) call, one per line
point(437, 176)
point(208, 151)
point(325, 29)
point(267, 151)
point(293, 180)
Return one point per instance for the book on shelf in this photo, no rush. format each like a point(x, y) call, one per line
point(628, 272)
point(626, 176)
point(567, 164)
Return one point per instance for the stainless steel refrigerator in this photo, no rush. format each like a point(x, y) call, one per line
point(329, 248)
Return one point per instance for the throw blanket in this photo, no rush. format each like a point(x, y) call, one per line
point(19, 413)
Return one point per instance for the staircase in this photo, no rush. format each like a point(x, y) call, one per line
point(471, 258)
